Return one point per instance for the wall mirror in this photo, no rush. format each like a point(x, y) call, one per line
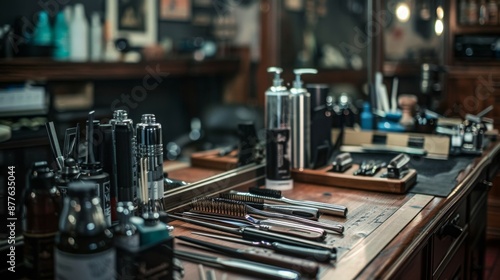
point(326, 35)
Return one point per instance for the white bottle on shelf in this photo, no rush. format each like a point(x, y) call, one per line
point(96, 46)
point(79, 35)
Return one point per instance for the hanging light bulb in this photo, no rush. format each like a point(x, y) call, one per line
point(438, 27)
point(403, 12)
point(440, 12)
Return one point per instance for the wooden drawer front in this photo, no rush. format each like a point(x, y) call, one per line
point(455, 268)
point(415, 268)
point(448, 234)
point(494, 210)
point(477, 222)
point(480, 189)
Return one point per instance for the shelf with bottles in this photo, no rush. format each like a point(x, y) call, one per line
point(482, 16)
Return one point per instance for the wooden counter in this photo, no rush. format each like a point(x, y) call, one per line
point(410, 236)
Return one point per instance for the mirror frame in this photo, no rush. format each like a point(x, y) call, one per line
point(244, 176)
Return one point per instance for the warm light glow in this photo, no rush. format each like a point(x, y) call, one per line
point(403, 12)
point(438, 27)
point(440, 12)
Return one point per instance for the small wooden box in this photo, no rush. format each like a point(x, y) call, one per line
point(347, 180)
point(212, 159)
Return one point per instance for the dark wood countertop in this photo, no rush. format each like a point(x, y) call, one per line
point(382, 230)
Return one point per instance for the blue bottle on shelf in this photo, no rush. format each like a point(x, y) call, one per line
point(366, 117)
point(43, 33)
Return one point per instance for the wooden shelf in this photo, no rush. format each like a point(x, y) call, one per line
point(476, 29)
point(24, 143)
point(468, 70)
point(22, 69)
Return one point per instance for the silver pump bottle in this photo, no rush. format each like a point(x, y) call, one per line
point(300, 102)
point(278, 137)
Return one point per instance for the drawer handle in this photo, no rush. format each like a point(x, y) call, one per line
point(486, 185)
point(451, 228)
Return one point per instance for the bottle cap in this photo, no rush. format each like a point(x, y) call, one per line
point(148, 118)
point(95, 19)
point(79, 11)
point(70, 165)
point(120, 115)
point(366, 106)
point(125, 208)
point(41, 175)
point(150, 213)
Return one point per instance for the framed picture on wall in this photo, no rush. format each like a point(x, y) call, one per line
point(179, 10)
point(135, 20)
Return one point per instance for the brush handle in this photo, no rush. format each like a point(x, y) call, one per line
point(299, 211)
point(326, 208)
point(317, 224)
point(337, 228)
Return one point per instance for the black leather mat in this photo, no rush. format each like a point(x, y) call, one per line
point(434, 177)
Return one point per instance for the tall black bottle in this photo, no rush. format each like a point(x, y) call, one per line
point(84, 244)
point(41, 208)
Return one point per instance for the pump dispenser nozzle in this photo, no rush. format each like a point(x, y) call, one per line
point(277, 81)
point(298, 82)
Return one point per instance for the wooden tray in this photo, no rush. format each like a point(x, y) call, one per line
point(348, 180)
point(212, 159)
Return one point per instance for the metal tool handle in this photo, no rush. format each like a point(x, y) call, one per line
point(309, 253)
point(335, 228)
point(300, 211)
point(293, 229)
point(327, 208)
point(254, 234)
point(270, 272)
point(240, 266)
point(304, 266)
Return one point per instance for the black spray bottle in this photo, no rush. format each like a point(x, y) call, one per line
point(278, 135)
point(91, 170)
point(125, 152)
